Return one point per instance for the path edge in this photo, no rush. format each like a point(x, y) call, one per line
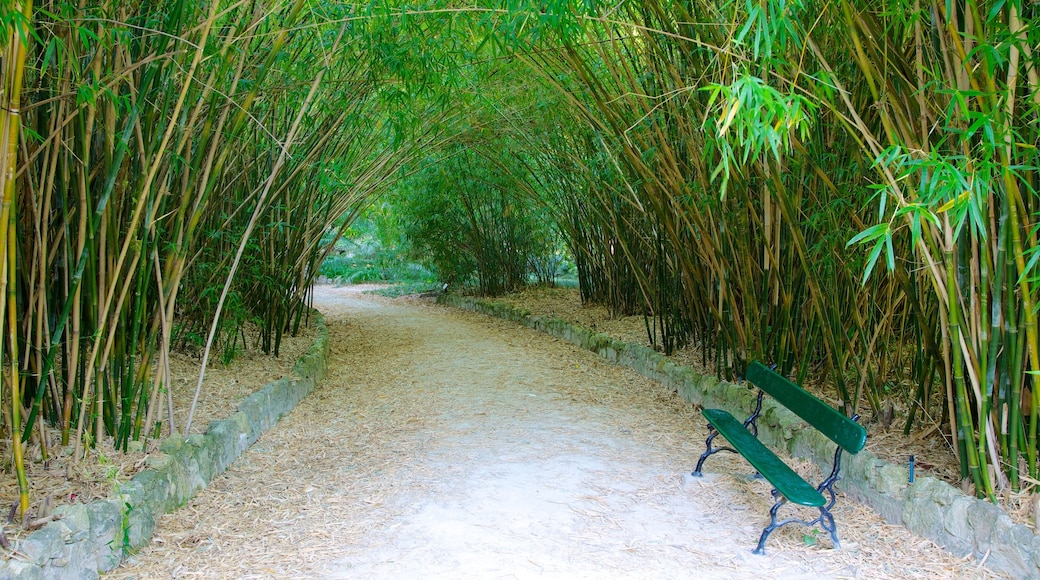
point(86, 540)
point(929, 507)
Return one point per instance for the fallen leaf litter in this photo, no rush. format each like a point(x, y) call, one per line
point(447, 444)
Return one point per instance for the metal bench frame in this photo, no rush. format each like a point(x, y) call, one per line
point(825, 519)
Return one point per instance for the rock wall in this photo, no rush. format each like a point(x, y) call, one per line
point(928, 507)
point(88, 539)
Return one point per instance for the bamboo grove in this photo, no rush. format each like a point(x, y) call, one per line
point(845, 188)
point(170, 168)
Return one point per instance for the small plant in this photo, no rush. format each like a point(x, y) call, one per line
point(124, 528)
point(811, 537)
point(407, 289)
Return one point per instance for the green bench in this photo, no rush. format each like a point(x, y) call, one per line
point(788, 486)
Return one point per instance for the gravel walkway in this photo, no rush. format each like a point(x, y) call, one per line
point(445, 444)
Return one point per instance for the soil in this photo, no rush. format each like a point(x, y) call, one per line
point(60, 479)
point(927, 443)
point(932, 453)
point(445, 444)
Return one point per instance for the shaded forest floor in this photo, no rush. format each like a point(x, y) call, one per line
point(933, 455)
point(445, 444)
point(62, 480)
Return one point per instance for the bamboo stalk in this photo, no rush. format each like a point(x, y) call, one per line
point(14, 59)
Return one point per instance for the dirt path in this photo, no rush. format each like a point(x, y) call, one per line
point(448, 445)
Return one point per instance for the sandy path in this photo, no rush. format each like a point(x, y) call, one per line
point(449, 445)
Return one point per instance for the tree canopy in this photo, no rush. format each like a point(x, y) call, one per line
point(845, 188)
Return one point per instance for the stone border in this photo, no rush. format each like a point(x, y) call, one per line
point(929, 507)
point(87, 539)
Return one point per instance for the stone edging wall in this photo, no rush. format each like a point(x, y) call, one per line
point(929, 507)
point(87, 539)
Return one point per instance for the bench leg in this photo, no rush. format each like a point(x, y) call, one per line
point(773, 525)
point(827, 523)
point(709, 451)
point(825, 520)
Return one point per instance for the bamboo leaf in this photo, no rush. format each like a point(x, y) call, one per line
point(957, 201)
point(869, 235)
point(872, 259)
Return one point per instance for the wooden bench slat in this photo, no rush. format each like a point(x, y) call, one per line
point(845, 432)
point(783, 478)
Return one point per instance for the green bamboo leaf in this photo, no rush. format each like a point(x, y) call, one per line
point(890, 256)
point(870, 234)
point(995, 10)
point(872, 259)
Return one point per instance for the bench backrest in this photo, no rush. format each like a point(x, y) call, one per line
point(851, 436)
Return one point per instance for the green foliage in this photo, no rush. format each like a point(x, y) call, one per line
point(363, 265)
point(471, 223)
point(758, 119)
point(733, 171)
point(180, 188)
point(407, 289)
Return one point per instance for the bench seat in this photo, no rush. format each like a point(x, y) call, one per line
point(784, 479)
